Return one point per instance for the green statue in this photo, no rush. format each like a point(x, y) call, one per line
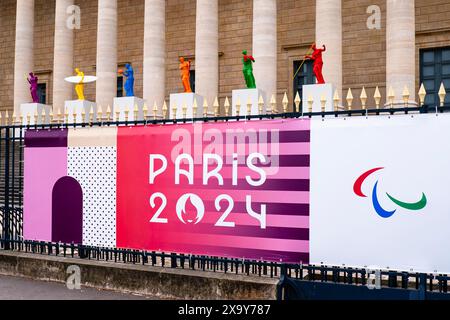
point(248, 70)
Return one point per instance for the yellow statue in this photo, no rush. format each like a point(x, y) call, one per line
point(79, 88)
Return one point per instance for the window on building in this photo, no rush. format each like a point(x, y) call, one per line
point(434, 70)
point(42, 93)
point(192, 79)
point(120, 86)
point(303, 77)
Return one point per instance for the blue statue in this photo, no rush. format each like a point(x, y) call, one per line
point(129, 84)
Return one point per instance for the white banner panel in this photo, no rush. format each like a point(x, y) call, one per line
point(395, 216)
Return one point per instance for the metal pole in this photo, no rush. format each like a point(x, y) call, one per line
point(6, 219)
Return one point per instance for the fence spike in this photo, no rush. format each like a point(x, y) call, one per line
point(391, 97)
point(13, 121)
point(422, 94)
point(323, 102)
point(273, 103)
point(155, 111)
point(297, 101)
point(21, 117)
point(83, 115)
point(58, 115)
point(285, 103)
point(406, 95)
point(442, 93)
point(165, 109)
point(336, 100)
point(144, 112)
point(349, 99)
point(195, 108)
point(205, 108)
point(117, 114)
point(174, 110)
point(136, 112)
point(249, 105)
point(363, 98)
point(226, 106)
point(216, 107)
point(127, 113)
point(91, 115)
point(108, 113)
point(100, 114)
point(184, 109)
point(43, 116)
point(310, 103)
point(260, 105)
point(377, 97)
point(238, 106)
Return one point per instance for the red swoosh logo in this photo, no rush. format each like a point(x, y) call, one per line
point(358, 184)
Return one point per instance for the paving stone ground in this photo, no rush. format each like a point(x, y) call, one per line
point(12, 288)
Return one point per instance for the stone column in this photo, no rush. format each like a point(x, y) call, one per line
point(207, 50)
point(329, 33)
point(400, 48)
point(265, 46)
point(63, 56)
point(24, 55)
point(106, 88)
point(155, 52)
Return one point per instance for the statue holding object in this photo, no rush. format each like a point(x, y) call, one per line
point(316, 56)
point(33, 81)
point(185, 71)
point(80, 79)
point(79, 88)
point(129, 83)
point(248, 61)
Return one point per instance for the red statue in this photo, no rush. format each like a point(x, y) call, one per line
point(318, 62)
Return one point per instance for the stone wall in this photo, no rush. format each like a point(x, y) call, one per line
point(164, 283)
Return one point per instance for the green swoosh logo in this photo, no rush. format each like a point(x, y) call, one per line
point(410, 206)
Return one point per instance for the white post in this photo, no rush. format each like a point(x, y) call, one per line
point(24, 55)
point(63, 56)
point(106, 88)
point(207, 50)
point(265, 46)
point(329, 33)
point(400, 48)
point(155, 52)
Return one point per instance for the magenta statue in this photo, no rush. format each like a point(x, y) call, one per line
point(33, 81)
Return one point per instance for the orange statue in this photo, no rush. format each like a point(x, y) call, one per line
point(185, 67)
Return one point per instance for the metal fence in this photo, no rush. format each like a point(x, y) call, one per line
point(296, 281)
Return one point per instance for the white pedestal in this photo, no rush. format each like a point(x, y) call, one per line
point(121, 104)
point(77, 107)
point(243, 96)
point(28, 111)
point(316, 92)
point(180, 99)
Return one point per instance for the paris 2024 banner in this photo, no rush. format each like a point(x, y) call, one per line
point(348, 191)
point(236, 189)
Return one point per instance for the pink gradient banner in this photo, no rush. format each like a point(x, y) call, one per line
point(238, 189)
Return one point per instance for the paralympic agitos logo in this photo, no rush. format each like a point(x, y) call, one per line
point(376, 203)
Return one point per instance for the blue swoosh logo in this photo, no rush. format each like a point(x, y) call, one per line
point(376, 204)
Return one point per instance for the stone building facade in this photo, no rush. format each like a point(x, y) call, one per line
point(364, 52)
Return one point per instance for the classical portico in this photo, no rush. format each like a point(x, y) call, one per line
point(400, 48)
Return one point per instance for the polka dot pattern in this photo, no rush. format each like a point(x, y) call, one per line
point(95, 170)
